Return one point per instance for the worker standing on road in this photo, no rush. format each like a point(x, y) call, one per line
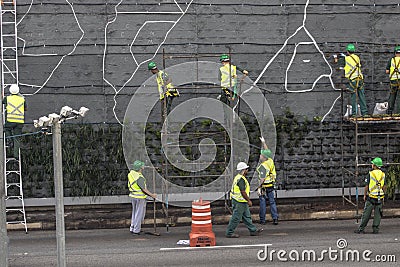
point(393, 69)
point(352, 71)
point(267, 184)
point(228, 77)
point(165, 88)
point(374, 193)
point(15, 106)
point(138, 191)
point(240, 194)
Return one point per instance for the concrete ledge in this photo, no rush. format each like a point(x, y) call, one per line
point(187, 220)
point(176, 199)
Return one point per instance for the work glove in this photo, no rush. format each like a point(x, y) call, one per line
point(245, 72)
point(275, 186)
point(262, 139)
point(259, 191)
point(219, 97)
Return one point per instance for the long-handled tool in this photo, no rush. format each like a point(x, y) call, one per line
point(154, 209)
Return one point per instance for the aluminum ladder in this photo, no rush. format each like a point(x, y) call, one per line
point(15, 204)
point(9, 43)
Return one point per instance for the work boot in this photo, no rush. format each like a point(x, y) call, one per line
point(358, 231)
point(232, 236)
point(256, 232)
point(275, 222)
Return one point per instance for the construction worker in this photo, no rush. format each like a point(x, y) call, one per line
point(352, 71)
point(374, 193)
point(267, 184)
point(393, 69)
point(228, 78)
point(15, 107)
point(241, 202)
point(165, 88)
point(138, 192)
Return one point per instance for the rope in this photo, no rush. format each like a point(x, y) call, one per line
point(19, 135)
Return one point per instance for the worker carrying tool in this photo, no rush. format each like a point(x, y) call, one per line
point(240, 195)
point(267, 184)
point(138, 192)
point(165, 87)
point(374, 193)
point(228, 77)
point(15, 106)
point(393, 69)
point(352, 71)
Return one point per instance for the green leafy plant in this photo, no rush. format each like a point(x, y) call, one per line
point(392, 181)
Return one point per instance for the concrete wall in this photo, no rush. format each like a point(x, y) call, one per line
point(66, 43)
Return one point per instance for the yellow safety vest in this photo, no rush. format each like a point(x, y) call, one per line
point(161, 86)
point(15, 108)
point(352, 68)
point(376, 183)
point(395, 69)
point(270, 176)
point(235, 191)
point(228, 81)
point(134, 188)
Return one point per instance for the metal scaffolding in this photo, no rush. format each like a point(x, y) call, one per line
point(226, 143)
point(368, 131)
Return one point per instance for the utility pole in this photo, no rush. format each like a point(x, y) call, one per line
point(59, 193)
point(3, 218)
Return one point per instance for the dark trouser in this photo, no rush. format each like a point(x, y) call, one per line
point(394, 89)
point(371, 204)
point(241, 211)
point(269, 193)
point(12, 129)
point(358, 96)
point(168, 104)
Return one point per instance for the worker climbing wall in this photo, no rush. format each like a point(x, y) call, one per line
point(96, 52)
point(79, 53)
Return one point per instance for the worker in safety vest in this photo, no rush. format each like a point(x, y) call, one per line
point(374, 193)
point(138, 192)
point(267, 184)
point(15, 107)
point(228, 78)
point(352, 71)
point(165, 88)
point(241, 202)
point(393, 69)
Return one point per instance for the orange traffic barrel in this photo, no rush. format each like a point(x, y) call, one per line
point(201, 234)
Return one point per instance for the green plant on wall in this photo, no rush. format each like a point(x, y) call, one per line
point(392, 181)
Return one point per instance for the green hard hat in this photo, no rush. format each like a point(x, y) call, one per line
point(377, 162)
point(152, 65)
point(351, 48)
point(137, 165)
point(266, 153)
point(397, 49)
point(224, 57)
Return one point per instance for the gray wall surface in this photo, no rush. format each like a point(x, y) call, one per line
point(92, 52)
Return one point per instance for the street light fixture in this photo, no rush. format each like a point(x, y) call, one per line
point(54, 120)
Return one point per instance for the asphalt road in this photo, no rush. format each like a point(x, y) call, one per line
point(296, 240)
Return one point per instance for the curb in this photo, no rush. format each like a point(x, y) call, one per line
point(180, 221)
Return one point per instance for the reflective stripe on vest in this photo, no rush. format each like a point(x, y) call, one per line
point(134, 188)
point(235, 191)
point(225, 81)
point(376, 183)
point(15, 108)
point(395, 69)
point(161, 83)
point(271, 175)
point(352, 68)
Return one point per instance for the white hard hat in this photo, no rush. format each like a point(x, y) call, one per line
point(14, 89)
point(242, 166)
